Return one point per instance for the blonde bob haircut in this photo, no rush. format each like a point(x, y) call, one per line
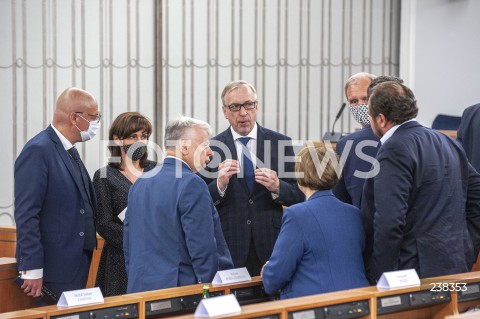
point(317, 175)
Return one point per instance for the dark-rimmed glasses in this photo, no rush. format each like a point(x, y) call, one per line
point(95, 117)
point(249, 105)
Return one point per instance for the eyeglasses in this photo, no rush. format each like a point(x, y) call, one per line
point(249, 105)
point(95, 117)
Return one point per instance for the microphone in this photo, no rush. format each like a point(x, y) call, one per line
point(338, 115)
point(332, 136)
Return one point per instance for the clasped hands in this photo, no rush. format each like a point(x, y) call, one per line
point(263, 176)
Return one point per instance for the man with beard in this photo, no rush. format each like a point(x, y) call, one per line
point(423, 205)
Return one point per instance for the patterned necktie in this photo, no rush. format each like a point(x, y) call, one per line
point(248, 171)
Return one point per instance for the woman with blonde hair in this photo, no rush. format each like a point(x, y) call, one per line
point(319, 248)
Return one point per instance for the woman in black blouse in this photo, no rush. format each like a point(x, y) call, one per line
point(130, 132)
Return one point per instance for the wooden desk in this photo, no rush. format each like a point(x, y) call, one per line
point(24, 314)
point(181, 300)
point(11, 296)
point(316, 306)
point(452, 134)
point(467, 299)
point(412, 302)
point(126, 307)
point(8, 241)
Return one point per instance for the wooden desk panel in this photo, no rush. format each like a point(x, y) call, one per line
point(110, 302)
point(283, 307)
point(8, 241)
point(429, 311)
point(11, 296)
point(24, 314)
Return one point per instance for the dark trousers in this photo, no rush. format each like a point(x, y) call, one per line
point(253, 264)
point(78, 282)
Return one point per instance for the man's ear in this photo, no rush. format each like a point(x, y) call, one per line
point(382, 120)
point(183, 146)
point(72, 117)
point(224, 109)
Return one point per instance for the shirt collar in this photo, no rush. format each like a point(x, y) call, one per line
point(177, 158)
point(252, 134)
point(390, 132)
point(65, 142)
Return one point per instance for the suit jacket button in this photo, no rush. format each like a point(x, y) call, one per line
point(249, 222)
point(82, 211)
point(81, 233)
point(250, 201)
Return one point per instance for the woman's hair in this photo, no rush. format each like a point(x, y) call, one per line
point(318, 165)
point(123, 126)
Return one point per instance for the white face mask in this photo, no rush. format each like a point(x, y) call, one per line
point(360, 114)
point(93, 128)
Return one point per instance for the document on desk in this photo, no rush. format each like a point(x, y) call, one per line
point(121, 216)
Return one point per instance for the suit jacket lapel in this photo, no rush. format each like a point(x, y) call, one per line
point(260, 144)
point(228, 140)
point(260, 154)
point(65, 157)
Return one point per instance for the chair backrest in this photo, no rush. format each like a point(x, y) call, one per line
point(446, 122)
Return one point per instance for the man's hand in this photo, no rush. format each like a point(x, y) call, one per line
point(267, 178)
point(32, 287)
point(226, 169)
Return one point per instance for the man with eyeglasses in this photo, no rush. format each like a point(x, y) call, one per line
point(247, 183)
point(55, 200)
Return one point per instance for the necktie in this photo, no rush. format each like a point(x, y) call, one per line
point(248, 171)
point(80, 169)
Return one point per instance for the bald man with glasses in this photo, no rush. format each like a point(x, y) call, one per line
point(247, 179)
point(55, 200)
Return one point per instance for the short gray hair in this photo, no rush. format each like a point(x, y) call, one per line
point(176, 128)
point(357, 76)
point(233, 85)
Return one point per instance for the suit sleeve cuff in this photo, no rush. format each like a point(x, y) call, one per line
point(222, 194)
point(32, 274)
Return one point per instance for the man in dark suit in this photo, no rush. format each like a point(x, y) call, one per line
point(361, 146)
point(55, 200)
point(422, 202)
point(172, 234)
point(469, 134)
point(253, 180)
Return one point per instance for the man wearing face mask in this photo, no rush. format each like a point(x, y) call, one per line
point(362, 145)
point(55, 201)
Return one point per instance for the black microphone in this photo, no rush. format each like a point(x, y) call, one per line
point(332, 136)
point(338, 115)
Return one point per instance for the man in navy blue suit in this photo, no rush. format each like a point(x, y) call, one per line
point(422, 205)
point(361, 146)
point(172, 234)
point(469, 134)
point(250, 182)
point(55, 200)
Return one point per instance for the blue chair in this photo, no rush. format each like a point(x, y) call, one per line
point(446, 122)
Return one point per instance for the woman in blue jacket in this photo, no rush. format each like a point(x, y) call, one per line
point(321, 241)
